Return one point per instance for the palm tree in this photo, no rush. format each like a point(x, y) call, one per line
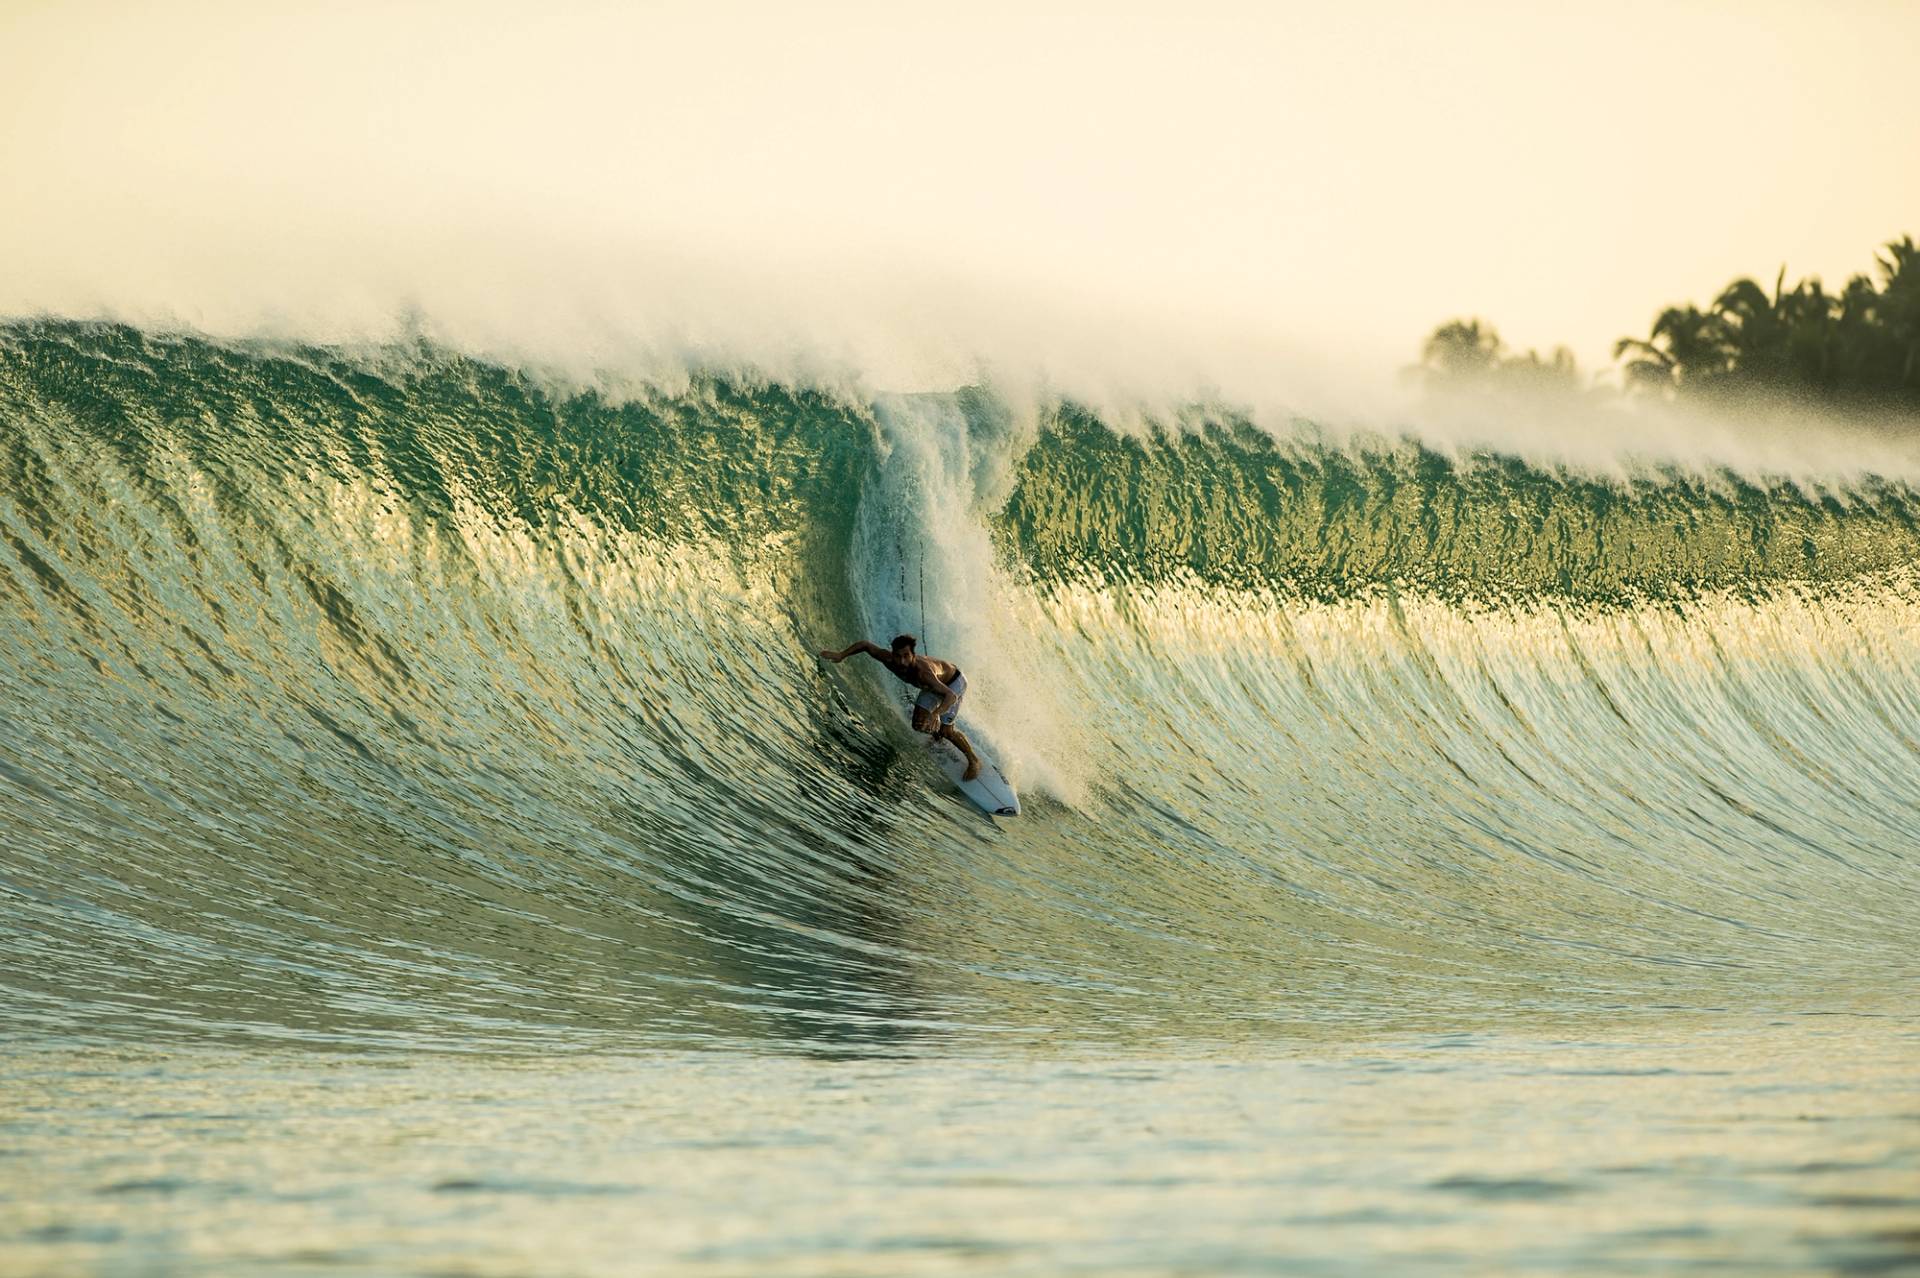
point(1858, 335)
point(1899, 309)
point(1858, 348)
point(1754, 328)
point(1810, 319)
point(1461, 350)
point(1685, 347)
point(1467, 354)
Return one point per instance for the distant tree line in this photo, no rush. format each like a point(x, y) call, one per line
point(1858, 348)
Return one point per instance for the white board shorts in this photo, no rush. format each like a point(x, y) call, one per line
point(929, 699)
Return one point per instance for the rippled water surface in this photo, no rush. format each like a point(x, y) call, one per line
point(1716, 1145)
point(429, 843)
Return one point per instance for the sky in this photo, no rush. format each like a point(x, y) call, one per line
point(1226, 186)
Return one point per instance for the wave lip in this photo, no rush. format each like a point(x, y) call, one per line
point(411, 700)
point(1230, 506)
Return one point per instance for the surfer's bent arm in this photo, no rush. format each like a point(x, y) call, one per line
point(872, 650)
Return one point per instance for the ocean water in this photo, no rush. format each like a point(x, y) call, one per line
point(428, 844)
point(1710, 1144)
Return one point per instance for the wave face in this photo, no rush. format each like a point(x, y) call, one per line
point(403, 698)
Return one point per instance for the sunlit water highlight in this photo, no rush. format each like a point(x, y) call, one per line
point(1428, 859)
point(1788, 1147)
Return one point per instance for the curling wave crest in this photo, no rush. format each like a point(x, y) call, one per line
point(408, 698)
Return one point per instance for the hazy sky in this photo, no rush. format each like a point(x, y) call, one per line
point(1323, 181)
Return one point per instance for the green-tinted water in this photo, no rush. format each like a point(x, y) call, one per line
point(1433, 859)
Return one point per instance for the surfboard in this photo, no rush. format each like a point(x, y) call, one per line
point(991, 792)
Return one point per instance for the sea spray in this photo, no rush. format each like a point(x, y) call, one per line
point(417, 702)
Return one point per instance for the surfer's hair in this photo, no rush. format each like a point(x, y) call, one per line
point(904, 641)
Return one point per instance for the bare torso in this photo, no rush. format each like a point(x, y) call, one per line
point(930, 675)
point(923, 672)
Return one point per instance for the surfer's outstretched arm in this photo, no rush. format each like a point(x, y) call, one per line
point(872, 650)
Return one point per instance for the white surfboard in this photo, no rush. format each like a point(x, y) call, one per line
point(990, 792)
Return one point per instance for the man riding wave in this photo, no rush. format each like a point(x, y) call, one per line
point(941, 687)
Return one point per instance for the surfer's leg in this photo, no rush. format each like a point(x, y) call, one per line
point(959, 738)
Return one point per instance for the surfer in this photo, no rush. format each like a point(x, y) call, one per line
point(941, 686)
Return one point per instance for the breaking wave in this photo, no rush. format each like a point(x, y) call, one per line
point(403, 697)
